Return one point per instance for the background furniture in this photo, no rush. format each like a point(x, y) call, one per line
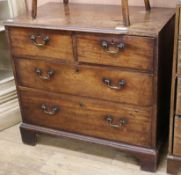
point(82, 74)
point(174, 157)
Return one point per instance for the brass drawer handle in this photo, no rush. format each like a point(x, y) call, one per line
point(44, 40)
point(39, 72)
point(112, 48)
point(122, 122)
point(108, 82)
point(50, 110)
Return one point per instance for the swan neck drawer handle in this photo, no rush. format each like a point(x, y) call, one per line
point(108, 82)
point(50, 110)
point(39, 40)
point(39, 72)
point(112, 47)
point(110, 119)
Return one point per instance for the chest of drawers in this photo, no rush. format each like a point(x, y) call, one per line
point(81, 74)
point(174, 157)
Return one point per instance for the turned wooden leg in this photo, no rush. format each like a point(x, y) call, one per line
point(65, 1)
point(34, 9)
point(125, 13)
point(28, 136)
point(147, 5)
point(173, 165)
point(149, 162)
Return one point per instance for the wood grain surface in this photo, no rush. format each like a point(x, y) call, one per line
point(138, 52)
point(88, 117)
point(87, 81)
point(96, 18)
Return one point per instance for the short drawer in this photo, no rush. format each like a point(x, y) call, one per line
point(177, 137)
point(96, 82)
point(178, 97)
point(41, 43)
point(87, 117)
point(117, 50)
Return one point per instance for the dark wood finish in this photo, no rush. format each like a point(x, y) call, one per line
point(149, 162)
point(35, 5)
point(147, 5)
point(136, 52)
point(125, 13)
point(22, 44)
point(173, 164)
point(88, 117)
point(148, 157)
point(65, 1)
point(34, 9)
point(79, 85)
point(28, 136)
point(174, 157)
point(87, 81)
point(164, 80)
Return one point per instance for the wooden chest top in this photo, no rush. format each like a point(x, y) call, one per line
point(96, 18)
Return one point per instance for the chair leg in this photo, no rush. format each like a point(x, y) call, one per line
point(34, 9)
point(65, 1)
point(125, 13)
point(147, 5)
point(125, 10)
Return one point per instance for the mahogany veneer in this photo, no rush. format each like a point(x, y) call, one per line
point(55, 47)
point(81, 74)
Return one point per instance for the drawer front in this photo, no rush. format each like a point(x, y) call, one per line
point(177, 137)
point(88, 117)
point(178, 97)
point(41, 43)
point(124, 51)
point(101, 83)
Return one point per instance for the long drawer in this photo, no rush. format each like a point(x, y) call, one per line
point(41, 43)
point(179, 58)
point(89, 117)
point(177, 137)
point(96, 82)
point(116, 50)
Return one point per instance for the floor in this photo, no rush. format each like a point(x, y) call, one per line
point(53, 156)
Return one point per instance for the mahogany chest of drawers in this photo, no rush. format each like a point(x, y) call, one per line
point(174, 157)
point(81, 74)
